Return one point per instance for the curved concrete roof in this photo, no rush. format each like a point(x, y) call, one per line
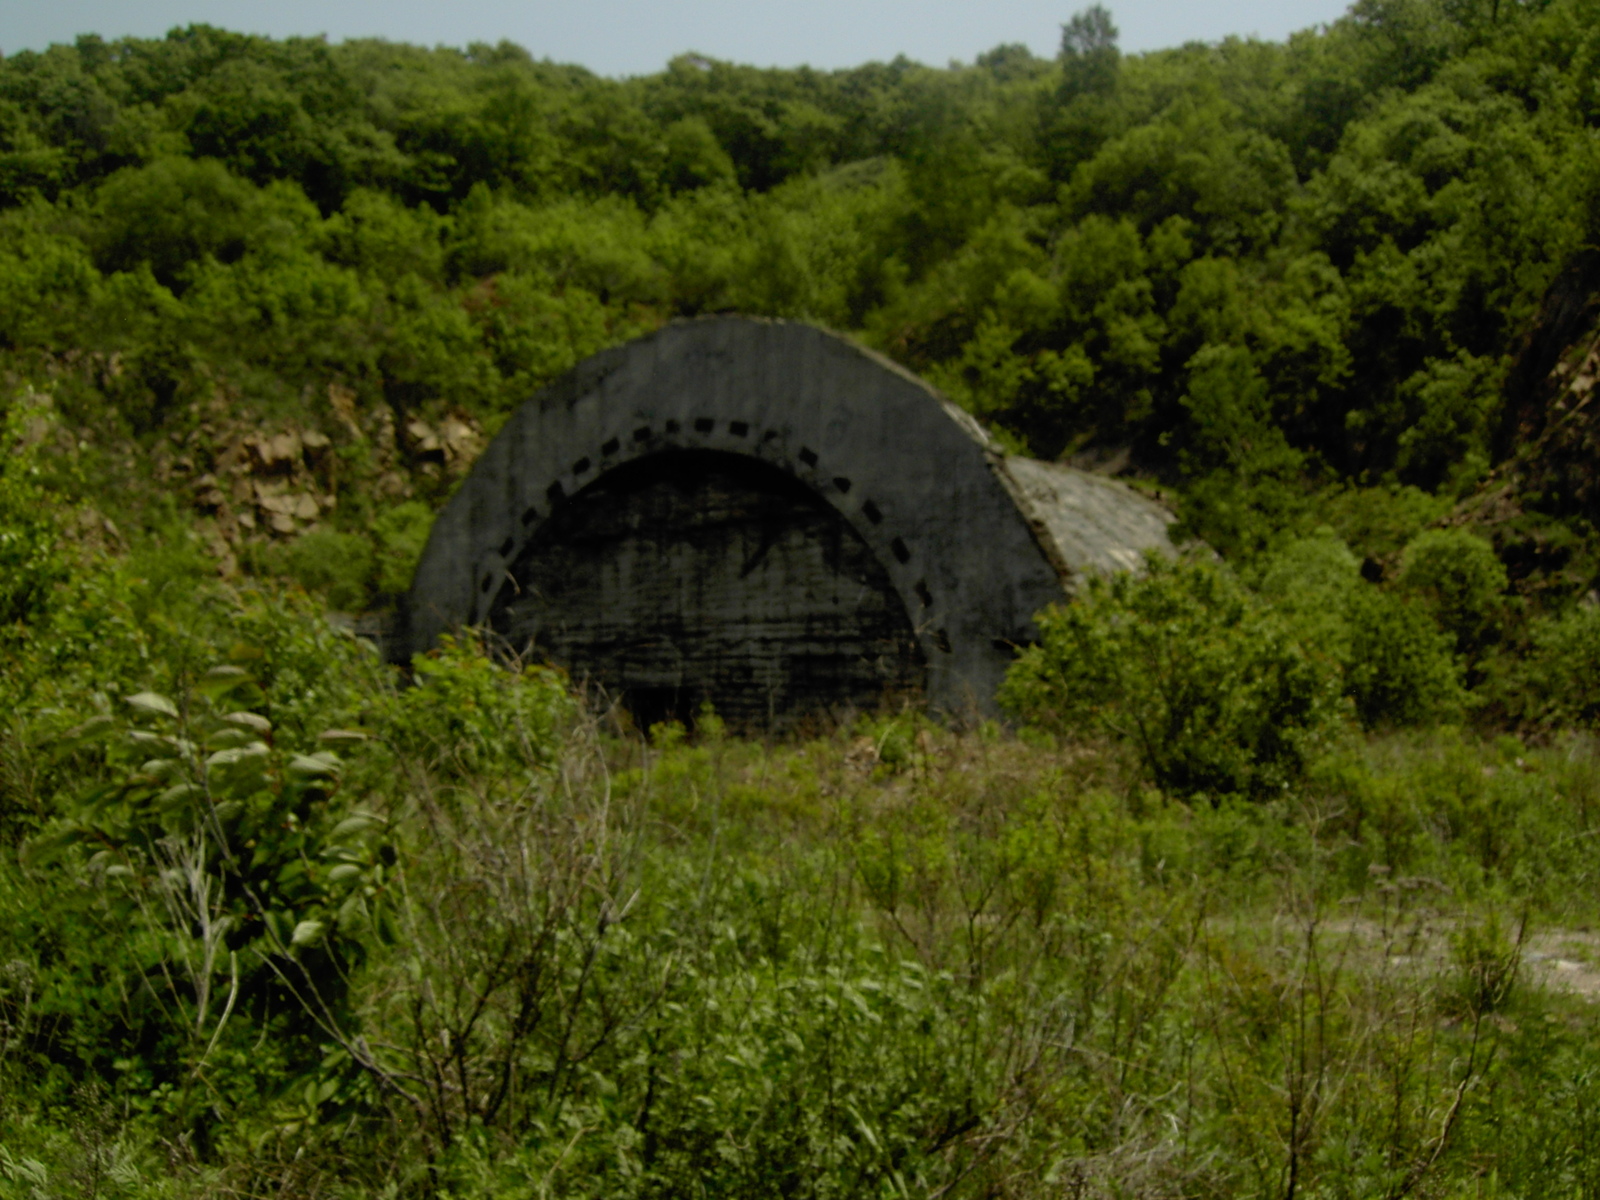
point(974, 542)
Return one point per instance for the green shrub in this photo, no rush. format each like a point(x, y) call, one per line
point(400, 534)
point(470, 714)
point(1486, 959)
point(172, 213)
point(1397, 665)
point(1309, 582)
point(1560, 681)
point(30, 563)
point(337, 566)
point(1379, 521)
point(236, 886)
point(1398, 668)
point(1459, 581)
point(1208, 687)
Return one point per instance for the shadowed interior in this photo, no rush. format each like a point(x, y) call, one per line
point(691, 576)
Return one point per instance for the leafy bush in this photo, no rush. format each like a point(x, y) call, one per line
point(1309, 582)
point(237, 885)
point(1559, 683)
point(171, 214)
point(1456, 576)
point(1397, 666)
point(1209, 688)
point(472, 715)
point(30, 562)
point(1377, 522)
point(1399, 669)
point(338, 566)
point(400, 533)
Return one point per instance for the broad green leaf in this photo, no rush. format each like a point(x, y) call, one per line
point(356, 823)
point(250, 720)
point(343, 735)
point(178, 795)
point(152, 704)
point(228, 739)
point(219, 681)
point(238, 754)
point(323, 764)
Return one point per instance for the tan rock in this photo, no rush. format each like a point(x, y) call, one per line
point(278, 454)
point(343, 402)
point(422, 441)
point(282, 505)
point(394, 486)
point(462, 442)
point(286, 449)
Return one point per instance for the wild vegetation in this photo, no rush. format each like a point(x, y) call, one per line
point(1279, 883)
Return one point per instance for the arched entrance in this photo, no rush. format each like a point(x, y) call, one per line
point(696, 576)
point(765, 515)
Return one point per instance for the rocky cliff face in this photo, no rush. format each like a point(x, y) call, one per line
point(1541, 504)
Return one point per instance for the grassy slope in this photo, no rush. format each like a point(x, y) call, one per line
point(902, 957)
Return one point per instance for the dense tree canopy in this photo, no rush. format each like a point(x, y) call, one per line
point(1266, 268)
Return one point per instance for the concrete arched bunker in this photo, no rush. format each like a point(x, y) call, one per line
point(801, 439)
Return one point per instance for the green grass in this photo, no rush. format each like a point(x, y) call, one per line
point(897, 960)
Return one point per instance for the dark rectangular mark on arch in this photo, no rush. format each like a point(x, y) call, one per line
point(673, 427)
point(870, 510)
point(901, 550)
point(941, 639)
point(738, 428)
point(924, 594)
point(704, 425)
point(505, 546)
point(556, 493)
point(840, 482)
point(610, 448)
point(808, 456)
point(642, 434)
point(530, 516)
point(579, 467)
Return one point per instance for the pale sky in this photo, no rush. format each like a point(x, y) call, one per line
point(632, 37)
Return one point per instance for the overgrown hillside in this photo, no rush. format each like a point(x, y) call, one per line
point(1273, 273)
point(1280, 883)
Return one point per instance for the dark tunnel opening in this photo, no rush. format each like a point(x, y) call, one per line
point(699, 576)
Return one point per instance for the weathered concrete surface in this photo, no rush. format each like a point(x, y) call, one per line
point(875, 537)
point(697, 575)
point(1089, 524)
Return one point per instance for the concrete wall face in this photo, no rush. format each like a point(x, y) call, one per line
point(694, 576)
point(599, 525)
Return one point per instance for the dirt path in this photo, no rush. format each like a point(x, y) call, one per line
point(1565, 960)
